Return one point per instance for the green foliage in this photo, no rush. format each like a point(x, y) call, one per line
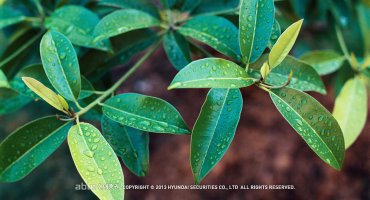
point(145, 113)
point(27, 147)
point(60, 64)
point(80, 42)
point(313, 123)
point(211, 136)
point(255, 21)
point(95, 161)
point(349, 110)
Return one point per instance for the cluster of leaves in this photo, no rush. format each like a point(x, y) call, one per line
point(60, 51)
point(345, 56)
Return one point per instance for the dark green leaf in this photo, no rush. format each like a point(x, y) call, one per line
point(143, 5)
point(313, 123)
point(214, 130)
point(256, 21)
point(212, 73)
point(61, 65)
point(130, 144)
point(27, 147)
point(177, 49)
point(96, 161)
point(214, 31)
point(11, 101)
point(9, 16)
point(123, 21)
point(324, 61)
point(213, 7)
point(145, 113)
point(275, 34)
point(350, 110)
point(304, 78)
point(77, 23)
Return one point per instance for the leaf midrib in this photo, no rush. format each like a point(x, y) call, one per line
point(34, 146)
point(216, 125)
point(96, 164)
point(140, 117)
point(304, 120)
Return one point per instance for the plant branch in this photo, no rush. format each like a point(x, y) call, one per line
point(119, 82)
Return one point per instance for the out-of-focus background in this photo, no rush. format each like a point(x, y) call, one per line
point(265, 150)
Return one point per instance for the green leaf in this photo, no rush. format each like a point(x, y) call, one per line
point(46, 94)
point(190, 5)
point(61, 65)
point(123, 21)
point(284, 44)
point(77, 23)
point(214, 7)
point(11, 101)
point(27, 147)
point(324, 61)
point(313, 123)
point(130, 144)
point(275, 34)
point(9, 16)
point(3, 80)
point(304, 78)
point(96, 161)
point(211, 73)
point(19, 51)
point(214, 130)
point(363, 16)
point(177, 50)
point(142, 5)
point(256, 21)
point(214, 31)
point(350, 110)
point(37, 72)
point(145, 113)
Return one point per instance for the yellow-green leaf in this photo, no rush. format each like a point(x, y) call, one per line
point(284, 44)
point(350, 110)
point(46, 94)
point(96, 161)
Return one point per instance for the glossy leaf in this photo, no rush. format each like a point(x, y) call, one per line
point(214, 130)
point(60, 64)
point(130, 144)
point(11, 101)
point(284, 44)
point(145, 113)
point(37, 72)
point(96, 161)
point(9, 16)
point(313, 123)
point(177, 50)
point(350, 110)
point(324, 62)
point(255, 21)
point(304, 78)
point(275, 34)
point(46, 94)
point(214, 31)
point(3, 80)
point(123, 21)
point(211, 73)
point(27, 147)
point(77, 23)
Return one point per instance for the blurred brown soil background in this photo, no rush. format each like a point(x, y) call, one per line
point(265, 151)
